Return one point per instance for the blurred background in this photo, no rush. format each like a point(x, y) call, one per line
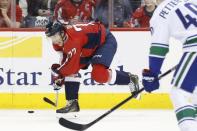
point(113, 13)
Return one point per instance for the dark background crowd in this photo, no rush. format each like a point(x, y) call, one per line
point(112, 13)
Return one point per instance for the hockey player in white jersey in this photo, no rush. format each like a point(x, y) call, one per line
point(178, 19)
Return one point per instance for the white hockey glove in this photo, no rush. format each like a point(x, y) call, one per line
point(57, 79)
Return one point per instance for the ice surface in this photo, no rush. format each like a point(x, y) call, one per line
point(119, 120)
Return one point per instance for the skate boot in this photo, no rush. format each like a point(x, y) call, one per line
point(134, 84)
point(72, 106)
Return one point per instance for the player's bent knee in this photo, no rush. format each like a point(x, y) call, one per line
point(100, 73)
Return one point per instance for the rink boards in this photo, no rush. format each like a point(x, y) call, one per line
point(25, 78)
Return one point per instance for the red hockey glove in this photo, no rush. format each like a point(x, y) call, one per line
point(57, 79)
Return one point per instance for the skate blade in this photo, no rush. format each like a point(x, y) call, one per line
point(71, 115)
point(138, 97)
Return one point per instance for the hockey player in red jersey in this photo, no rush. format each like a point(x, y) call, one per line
point(74, 10)
point(83, 45)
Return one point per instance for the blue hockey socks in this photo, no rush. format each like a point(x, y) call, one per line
point(122, 78)
point(71, 90)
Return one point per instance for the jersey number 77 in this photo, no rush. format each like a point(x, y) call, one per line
point(188, 19)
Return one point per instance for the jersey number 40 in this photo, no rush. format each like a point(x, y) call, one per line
point(188, 19)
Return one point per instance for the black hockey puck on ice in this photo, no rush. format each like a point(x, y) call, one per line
point(30, 111)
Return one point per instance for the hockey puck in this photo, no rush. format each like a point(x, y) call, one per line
point(30, 111)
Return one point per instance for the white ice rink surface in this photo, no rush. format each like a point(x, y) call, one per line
point(119, 120)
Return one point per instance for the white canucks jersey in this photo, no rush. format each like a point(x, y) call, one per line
point(174, 18)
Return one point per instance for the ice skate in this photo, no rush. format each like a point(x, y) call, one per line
point(134, 84)
point(72, 106)
point(71, 109)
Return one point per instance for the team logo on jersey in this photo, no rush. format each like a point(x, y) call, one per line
point(20, 46)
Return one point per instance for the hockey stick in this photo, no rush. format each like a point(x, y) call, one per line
point(81, 127)
point(47, 100)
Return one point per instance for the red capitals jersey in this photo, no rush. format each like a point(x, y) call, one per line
point(142, 16)
point(81, 43)
point(18, 14)
point(67, 10)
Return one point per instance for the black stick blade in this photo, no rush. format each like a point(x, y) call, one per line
point(47, 100)
point(72, 125)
